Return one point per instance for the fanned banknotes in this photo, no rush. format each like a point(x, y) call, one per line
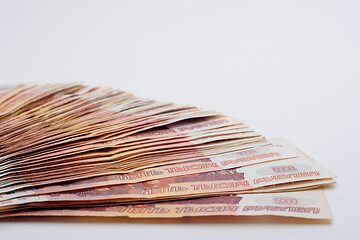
point(74, 150)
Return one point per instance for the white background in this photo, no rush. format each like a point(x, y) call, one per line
point(290, 68)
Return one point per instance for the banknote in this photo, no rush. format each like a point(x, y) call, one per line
point(280, 149)
point(209, 183)
point(310, 204)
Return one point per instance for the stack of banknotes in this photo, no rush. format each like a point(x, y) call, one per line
point(74, 150)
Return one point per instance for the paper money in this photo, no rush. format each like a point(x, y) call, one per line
point(209, 183)
point(225, 161)
point(77, 147)
point(305, 204)
point(279, 149)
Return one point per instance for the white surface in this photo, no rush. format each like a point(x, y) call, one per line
point(290, 68)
